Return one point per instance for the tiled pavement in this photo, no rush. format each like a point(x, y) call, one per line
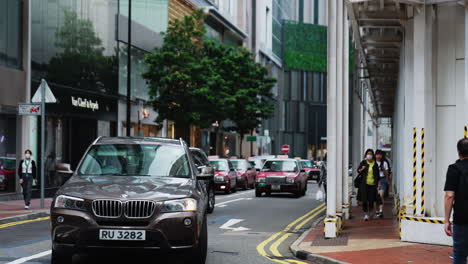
point(375, 241)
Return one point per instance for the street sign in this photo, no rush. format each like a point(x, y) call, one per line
point(251, 138)
point(29, 109)
point(49, 96)
point(285, 149)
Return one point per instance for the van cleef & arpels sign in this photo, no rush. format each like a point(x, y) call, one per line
point(84, 103)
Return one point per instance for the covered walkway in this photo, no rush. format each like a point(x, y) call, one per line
point(410, 70)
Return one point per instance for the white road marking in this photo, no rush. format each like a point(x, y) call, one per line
point(25, 259)
point(221, 206)
point(227, 202)
point(232, 222)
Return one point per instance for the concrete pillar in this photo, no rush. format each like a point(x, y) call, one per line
point(422, 102)
point(466, 65)
point(339, 107)
point(330, 220)
point(345, 115)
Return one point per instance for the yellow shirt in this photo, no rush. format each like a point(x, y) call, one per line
point(370, 174)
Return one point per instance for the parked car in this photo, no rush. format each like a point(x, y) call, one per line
point(132, 193)
point(201, 160)
point(225, 175)
point(281, 175)
point(312, 170)
point(246, 174)
point(7, 174)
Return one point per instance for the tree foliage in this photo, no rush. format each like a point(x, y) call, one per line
point(194, 81)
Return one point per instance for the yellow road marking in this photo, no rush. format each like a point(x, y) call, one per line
point(24, 222)
point(274, 246)
point(261, 246)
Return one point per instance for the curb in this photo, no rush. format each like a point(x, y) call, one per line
point(23, 217)
point(304, 255)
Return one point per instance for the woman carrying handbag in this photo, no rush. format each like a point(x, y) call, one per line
point(367, 180)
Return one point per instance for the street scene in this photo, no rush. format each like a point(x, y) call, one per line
point(234, 131)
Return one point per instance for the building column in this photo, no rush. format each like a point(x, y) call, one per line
point(330, 220)
point(339, 109)
point(345, 114)
point(465, 127)
point(422, 89)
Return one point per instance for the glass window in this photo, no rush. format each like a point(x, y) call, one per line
point(316, 87)
point(280, 166)
point(153, 14)
point(240, 164)
point(135, 160)
point(295, 85)
point(10, 33)
point(220, 165)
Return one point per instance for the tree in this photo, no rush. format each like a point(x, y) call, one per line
point(249, 89)
point(177, 77)
point(194, 81)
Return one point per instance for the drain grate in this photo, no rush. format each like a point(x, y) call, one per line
point(341, 240)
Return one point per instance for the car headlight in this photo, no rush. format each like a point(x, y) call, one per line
point(219, 178)
point(182, 205)
point(68, 202)
point(262, 179)
point(290, 180)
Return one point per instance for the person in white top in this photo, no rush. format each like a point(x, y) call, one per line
point(27, 174)
point(383, 182)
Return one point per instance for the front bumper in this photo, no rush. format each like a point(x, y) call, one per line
point(80, 232)
point(284, 187)
point(222, 186)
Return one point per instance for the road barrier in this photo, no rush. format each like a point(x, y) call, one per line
point(414, 169)
point(422, 172)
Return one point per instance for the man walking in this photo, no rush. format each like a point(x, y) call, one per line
point(456, 197)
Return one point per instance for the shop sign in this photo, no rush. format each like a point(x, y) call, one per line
point(251, 138)
point(29, 109)
point(84, 103)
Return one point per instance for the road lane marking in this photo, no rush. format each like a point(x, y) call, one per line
point(230, 201)
point(274, 246)
point(262, 245)
point(249, 192)
point(232, 222)
point(25, 259)
point(24, 222)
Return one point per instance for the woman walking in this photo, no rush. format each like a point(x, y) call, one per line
point(27, 174)
point(369, 172)
point(383, 180)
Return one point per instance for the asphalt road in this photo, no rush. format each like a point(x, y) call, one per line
point(242, 229)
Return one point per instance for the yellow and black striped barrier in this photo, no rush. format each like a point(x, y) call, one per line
point(414, 169)
point(419, 219)
point(466, 132)
point(422, 171)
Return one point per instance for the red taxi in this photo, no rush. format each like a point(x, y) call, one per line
point(7, 174)
point(246, 173)
point(281, 175)
point(312, 171)
point(225, 175)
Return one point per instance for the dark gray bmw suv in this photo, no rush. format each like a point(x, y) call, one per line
point(133, 193)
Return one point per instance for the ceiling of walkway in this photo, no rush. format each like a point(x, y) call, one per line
point(378, 24)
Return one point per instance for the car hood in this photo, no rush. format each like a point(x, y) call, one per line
point(127, 187)
point(278, 174)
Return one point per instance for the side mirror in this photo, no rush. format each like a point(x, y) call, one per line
point(205, 173)
point(257, 170)
point(232, 169)
point(64, 168)
point(302, 170)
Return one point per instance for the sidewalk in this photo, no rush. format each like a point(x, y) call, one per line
point(375, 241)
point(11, 211)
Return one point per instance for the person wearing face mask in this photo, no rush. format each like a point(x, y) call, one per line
point(369, 172)
point(27, 174)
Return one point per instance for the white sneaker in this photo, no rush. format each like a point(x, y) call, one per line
point(26, 207)
point(366, 217)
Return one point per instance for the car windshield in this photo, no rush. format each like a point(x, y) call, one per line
point(7, 164)
point(280, 166)
point(135, 160)
point(240, 164)
point(307, 164)
point(220, 165)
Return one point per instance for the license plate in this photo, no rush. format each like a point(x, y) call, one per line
point(275, 187)
point(124, 235)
